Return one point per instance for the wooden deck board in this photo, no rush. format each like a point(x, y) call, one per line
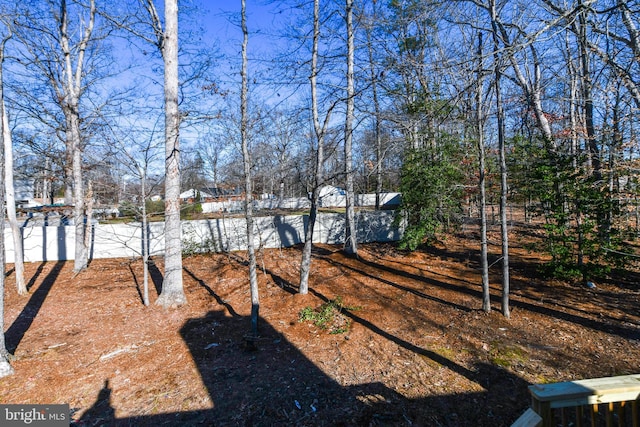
point(588, 392)
point(529, 419)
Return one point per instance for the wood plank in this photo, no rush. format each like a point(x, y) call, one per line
point(592, 399)
point(579, 415)
point(622, 414)
point(589, 391)
point(528, 419)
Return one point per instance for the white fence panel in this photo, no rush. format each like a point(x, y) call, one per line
point(52, 243)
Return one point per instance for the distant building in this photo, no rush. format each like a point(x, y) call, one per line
point(331, 196)
point(192, 195)
point(212, 194)
point(330, 191)
point(25, 192)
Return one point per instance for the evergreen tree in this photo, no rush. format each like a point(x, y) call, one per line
point(432, 191)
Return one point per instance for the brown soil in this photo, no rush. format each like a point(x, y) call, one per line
point(417, 351)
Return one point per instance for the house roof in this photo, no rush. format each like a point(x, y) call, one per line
point(192, 193)
point(209, 192)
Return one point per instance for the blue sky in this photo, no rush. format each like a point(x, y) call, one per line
point(221, 20)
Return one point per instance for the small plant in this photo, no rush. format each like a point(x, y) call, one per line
point(192, 244)
point(507, 356)
point(329, 316)
point(190, 211)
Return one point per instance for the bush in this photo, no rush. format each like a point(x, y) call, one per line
point(190, 210)
point(128, 209)
point(155, 207)
point(432, 193)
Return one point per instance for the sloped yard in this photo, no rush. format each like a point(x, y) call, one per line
point(412, 346)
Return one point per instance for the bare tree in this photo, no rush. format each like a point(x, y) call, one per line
point(320, 130)
point(373, 75)
point(282, 148)
point(62, 57)
point(211, 151)
point(587, 92)
point(9, 185)
point(69, 92)
point(142, 171)
point(137, 151)
point(167, 41)
point(351, 238)
point(5, 367)
point(246, 161)
point(503, 164)
point(619, 25)
point(480, 119)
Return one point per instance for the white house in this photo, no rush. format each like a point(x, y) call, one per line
point(25, 193)
point(195, 195)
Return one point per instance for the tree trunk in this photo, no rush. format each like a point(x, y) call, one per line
point(68, 174)
point(613, 196)
point(46, 183)
point(145, 240)
point(376, 110)
point(81, 251)
point(9, 186)
point(172, 294)
point(88, 229)
point(73, 72)
point(305, 264)
point(319, 130)
point(587, 96)
point(588, 110)
point(16, 231)
point(379, 154)
point(484, 263)
point(351, 237)
point(246, 161)
point(503, 210)
point(281, 194)
point(573, 102)
point(5, 367)
point(503, 168)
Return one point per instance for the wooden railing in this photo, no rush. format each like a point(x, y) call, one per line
point(610, 401)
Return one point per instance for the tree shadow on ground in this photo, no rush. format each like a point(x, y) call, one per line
point(36, 275)
point(156, 276)
point(277, 385)
point(23, 322)
point(211, 292)
point(607, 326)
point(283, 283)
point(139, 286)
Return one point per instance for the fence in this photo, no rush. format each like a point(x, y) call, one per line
point(388, 200)
point(51, 243)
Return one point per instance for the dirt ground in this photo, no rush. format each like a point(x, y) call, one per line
point(415, 348)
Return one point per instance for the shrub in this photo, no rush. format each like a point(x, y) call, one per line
point(328, 316)
point(190, 210)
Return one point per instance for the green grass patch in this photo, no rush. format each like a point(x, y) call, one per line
point(507, 356)
point(329, 316)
